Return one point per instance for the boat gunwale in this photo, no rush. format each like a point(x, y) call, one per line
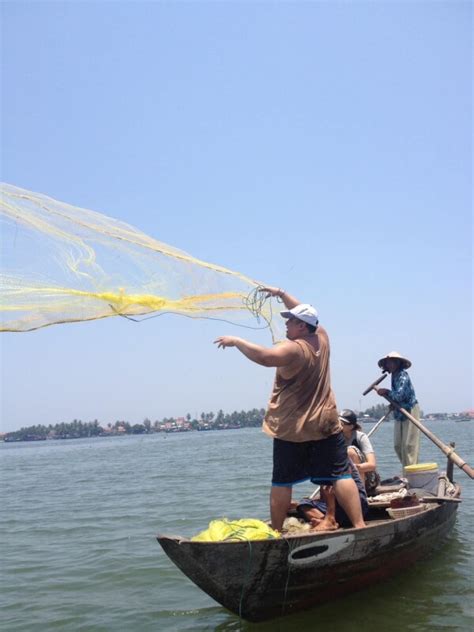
point(371, 524)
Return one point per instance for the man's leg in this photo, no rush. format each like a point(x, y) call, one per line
point(347, 495)
point(411, 439)
point(353, 454)
point(289, 460)
point(330, 462)
point(398, 438)
point(328, 523)
point(280, 501)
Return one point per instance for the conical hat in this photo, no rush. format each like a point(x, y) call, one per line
point(406, 364)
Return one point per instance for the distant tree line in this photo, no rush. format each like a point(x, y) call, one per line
point(376, 412)
point(73, 430)
point(78, 429)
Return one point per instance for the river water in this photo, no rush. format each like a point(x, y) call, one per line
point(79, 519)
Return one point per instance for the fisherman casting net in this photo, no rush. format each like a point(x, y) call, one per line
point(61, 264)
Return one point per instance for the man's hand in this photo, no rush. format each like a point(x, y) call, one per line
point(272, 291)
point(225, 341)
point(288, 300)
point(381, 391)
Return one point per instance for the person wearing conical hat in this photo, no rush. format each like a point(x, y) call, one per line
point(406, 434)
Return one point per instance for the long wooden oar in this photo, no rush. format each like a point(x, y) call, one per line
point(377, 381)
point(448, 451)
point(371, 432)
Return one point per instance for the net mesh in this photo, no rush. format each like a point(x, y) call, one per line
point(62, 264)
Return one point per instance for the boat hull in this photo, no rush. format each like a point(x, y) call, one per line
point(263, 579)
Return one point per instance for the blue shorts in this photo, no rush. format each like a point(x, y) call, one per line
point(322, 462)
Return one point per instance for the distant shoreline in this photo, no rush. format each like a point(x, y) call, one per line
point(80, 430)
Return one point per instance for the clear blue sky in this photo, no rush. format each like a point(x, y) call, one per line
point(321, 147)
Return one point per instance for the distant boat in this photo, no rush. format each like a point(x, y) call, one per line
point(8, 439)
point(263, 579)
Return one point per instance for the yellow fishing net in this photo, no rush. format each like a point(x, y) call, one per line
point(61, 263)
point(233, 530)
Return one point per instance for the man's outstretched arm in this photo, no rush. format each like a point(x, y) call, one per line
point(288, 300)
point(280, 355)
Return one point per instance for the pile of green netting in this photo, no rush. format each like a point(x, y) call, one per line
point(61, 264)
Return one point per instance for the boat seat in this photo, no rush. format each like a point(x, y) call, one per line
point(388, 489)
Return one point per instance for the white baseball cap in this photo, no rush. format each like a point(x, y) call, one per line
point(303, 312)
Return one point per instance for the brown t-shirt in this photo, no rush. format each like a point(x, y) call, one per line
point(302, 406)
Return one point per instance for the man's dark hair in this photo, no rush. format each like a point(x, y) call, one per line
point(311, 328)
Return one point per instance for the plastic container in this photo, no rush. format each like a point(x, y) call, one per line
point(423, 476)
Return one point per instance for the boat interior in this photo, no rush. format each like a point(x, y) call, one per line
point(393, 502)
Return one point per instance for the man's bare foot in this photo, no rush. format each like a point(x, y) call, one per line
point(326, 524)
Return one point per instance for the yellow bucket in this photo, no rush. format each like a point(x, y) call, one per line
point(420, 467)
point(423, 476)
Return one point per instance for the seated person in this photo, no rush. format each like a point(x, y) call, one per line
point(360, 450)
point(326, 514)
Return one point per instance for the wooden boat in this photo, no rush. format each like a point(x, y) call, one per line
point(263, 579)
